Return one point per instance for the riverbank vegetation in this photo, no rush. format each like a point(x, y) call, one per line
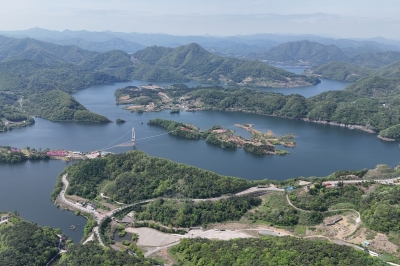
point(14, 155)
point(250, 251)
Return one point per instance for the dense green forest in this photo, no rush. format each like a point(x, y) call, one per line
point(340, 71)
point(36, 78)
point(59, 106)
point(302, 53)
point(24, 243)
point(282, 251)
point(177, 129)
point(188, 213)
point(193, 62)
point(94, 254)
point(308, 53)
point(370, 102)
point(133, 176)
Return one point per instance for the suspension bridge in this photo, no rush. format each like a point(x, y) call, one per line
point(132, 142)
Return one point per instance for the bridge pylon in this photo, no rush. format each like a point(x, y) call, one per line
point(133, 136)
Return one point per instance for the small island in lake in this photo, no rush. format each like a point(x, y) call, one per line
point(120, 121)
point(260, 143)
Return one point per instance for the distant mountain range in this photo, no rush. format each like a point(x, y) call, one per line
point(234, 46)
point(37, 78)
point(194, 62)
point(389, 62)
point(303, 52)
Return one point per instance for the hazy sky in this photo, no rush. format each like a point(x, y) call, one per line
point(337, 18)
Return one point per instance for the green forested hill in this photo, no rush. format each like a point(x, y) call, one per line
point(42, 52)
point(57, 106)
point(151, 55)
point(303, 52)
point(136, 176)
point(24, 243)
point(94, 254)
point(352, 72)
point(374, 105)
point(192, 61)
point(376, 60)
point(31, 71)
point(340, 71)
point(390, 71)
point(282, 251)
point(376, 87)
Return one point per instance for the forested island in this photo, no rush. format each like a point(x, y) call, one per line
point(260, 143)
point(369, 104)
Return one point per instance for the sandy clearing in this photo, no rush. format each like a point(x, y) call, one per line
point(153, 238)
point(222, 235)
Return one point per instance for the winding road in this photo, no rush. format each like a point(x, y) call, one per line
point(358, 220)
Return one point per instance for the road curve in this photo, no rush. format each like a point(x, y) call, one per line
point(358, 220)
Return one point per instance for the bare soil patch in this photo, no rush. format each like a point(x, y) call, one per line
point(153, 238)
point(163, 255)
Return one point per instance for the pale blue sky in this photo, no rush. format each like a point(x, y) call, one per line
point(337, 18)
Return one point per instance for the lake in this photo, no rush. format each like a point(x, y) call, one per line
point(321, 149)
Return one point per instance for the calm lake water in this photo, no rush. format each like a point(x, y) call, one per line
point(321, 149)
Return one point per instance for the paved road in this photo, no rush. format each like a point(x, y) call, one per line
point(382, 181)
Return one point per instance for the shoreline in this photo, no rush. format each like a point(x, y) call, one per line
point(385, 139)
point(350, 126)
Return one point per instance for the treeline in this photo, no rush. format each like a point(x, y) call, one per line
point(24, 243)
point(94, 254)
point(133, 176)
point(188, 213)
point(283, 251)
point(356, 105)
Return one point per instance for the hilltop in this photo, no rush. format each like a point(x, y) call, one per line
point(304, 53)
point(340, 71)
point(193, 62)
point(37, 78)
